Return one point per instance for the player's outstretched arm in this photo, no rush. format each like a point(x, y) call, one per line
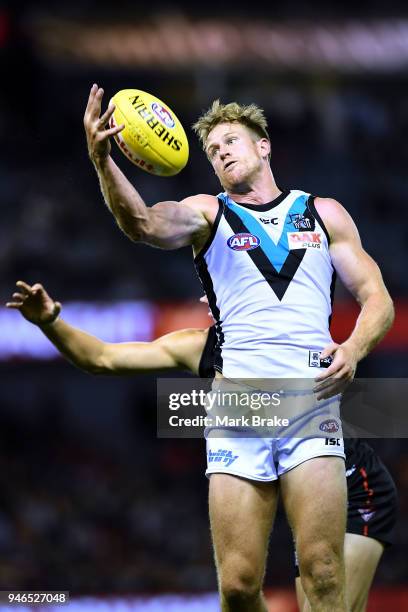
point(362, 277)
point(168, 225)
point(179, 350)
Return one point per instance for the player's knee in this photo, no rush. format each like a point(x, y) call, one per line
point(321, 570)
point(240, 595)
point(240, 587)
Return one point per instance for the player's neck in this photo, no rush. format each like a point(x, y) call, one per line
point(259, 191)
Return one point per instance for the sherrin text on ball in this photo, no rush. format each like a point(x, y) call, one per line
point(153, 138)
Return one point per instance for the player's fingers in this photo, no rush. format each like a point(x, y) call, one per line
point(107, 114)
point(337, 387)
point(329, 350)
point(323, 387)
point(91, 97)
point(14, 304)
point(114, 130)
point(92, 92)
point(329, 378)
point(331, 383)
point(326, 384)
point(332, 370)
point(329, 391)
point(95, 107)
point(37, 287)
point(25, 287)
point(19, 296)
point(324, 376)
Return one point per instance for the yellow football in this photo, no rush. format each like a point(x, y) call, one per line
point(153, 138)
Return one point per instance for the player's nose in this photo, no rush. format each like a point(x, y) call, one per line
point(223, 154)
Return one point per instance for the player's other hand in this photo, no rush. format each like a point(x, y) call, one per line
point(34, 303)
point(97, 136)
point(339, 374)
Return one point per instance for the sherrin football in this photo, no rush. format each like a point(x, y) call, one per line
point(153, 138)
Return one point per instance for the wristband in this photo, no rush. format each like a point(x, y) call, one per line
point(53, 317)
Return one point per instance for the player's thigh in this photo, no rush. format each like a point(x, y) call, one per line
point(241, 516)
point(362, 555)
point(315, 498)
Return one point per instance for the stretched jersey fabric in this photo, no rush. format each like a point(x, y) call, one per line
point(268, 276)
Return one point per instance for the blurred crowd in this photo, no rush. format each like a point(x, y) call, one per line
point(77, 516)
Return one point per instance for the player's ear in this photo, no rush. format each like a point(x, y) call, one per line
point(264, 147)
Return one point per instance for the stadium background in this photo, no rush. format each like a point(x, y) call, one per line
point(91, 500)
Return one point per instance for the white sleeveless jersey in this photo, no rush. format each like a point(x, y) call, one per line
point(269, 280)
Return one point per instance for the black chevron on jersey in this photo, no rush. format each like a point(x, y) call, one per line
point(278, 281)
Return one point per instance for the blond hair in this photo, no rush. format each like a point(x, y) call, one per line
point(250, 115)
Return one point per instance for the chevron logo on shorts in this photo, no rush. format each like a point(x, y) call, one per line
point(366, 515)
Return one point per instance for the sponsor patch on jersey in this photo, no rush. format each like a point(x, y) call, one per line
point(243, 242)
point(305, 240)
point(329, 426)
point(269, 220)
point(316, 362)
point(300, 221)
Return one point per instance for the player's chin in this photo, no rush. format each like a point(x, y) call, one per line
point(235, 178)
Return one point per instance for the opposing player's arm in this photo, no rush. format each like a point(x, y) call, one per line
point(179, 350)
point(168, 225)
point(362, 277)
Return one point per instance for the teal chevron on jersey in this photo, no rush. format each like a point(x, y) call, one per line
point(276, 253)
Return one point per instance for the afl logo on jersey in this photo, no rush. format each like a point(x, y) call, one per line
point(329, 426)
point(243, 242)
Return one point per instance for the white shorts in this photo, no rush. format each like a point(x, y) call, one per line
point(311, 428)
point(265, 459)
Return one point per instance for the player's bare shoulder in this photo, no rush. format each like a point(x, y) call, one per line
point(337, 220)
point(207, 206)
point(203, 203)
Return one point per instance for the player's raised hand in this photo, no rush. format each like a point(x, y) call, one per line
point(97, 136)
point(34, 303)
point(340, 374)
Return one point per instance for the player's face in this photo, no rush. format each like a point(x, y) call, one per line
point(235, 154)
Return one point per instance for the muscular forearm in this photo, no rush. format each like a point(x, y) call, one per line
point(375, 319)
point(122, 199)
point(82, 349)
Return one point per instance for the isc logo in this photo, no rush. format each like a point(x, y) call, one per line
point(243, 242)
